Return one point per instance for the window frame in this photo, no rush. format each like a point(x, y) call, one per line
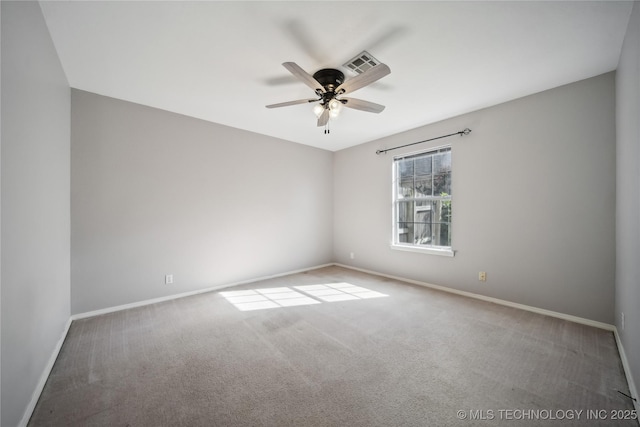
point(395, 200)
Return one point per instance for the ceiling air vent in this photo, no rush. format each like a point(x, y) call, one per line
point(361, 63)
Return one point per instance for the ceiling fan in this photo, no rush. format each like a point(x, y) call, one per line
point(329, 85)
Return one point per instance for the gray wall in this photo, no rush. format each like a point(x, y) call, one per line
point(628, 194)
point(533, 202)
point(155, 193)
point(35, 204)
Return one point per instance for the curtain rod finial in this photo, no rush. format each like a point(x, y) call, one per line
point(467, 131)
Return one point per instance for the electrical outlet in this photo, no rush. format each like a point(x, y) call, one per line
point(168, 279)
point(482, 276)
point(622, 323)
point(352, 255)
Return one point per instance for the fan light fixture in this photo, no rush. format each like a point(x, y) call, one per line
point(329, 86)
point(318, 109)
point(334, 106)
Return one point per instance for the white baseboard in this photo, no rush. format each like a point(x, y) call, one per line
point(559, 315)
point(187, 294)
point(633, 391)
point(44, 377)
point(551, 313)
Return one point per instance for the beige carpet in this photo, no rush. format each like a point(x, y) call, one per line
point(362, 351)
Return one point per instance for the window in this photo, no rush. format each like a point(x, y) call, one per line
point(422, 201)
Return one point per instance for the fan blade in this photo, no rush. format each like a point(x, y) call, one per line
point(324, 118)
point(286, 104)
point(359, 104)
point(371, 75)
point(303, 76)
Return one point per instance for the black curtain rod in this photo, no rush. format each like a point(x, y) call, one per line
point(467, 131)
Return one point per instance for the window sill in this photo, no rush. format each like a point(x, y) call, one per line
point(424, 250)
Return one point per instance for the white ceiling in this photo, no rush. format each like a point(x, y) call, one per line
point(221, 61)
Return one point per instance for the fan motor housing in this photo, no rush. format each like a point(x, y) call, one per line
point(329, 78)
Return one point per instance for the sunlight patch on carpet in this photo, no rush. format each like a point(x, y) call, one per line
point(339, 292)
point(260, 299)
